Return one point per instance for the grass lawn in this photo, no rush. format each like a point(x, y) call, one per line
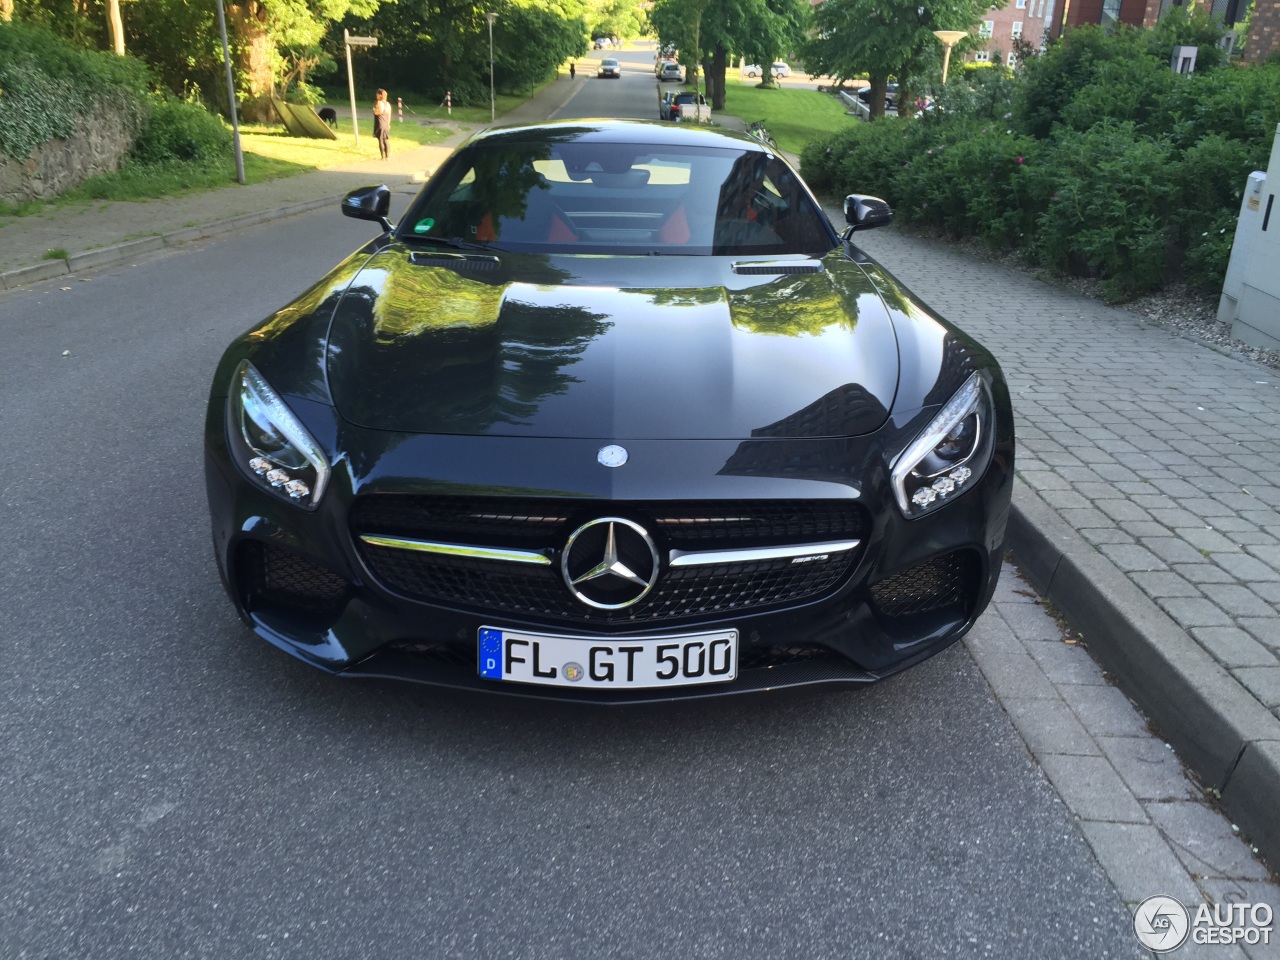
point(792, 116)
point(268, 142)
point(417, 108)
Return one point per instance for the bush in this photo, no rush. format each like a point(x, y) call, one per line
point(980, 182)
point(1096, 159)
point(1108, 215)
point(181, 131)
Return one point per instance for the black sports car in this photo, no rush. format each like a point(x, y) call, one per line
point(612, 414)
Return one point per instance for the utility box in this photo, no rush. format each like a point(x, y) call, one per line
point(1251, 290)
point(1184, 59)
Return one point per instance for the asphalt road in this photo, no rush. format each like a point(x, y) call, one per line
point(172, 787)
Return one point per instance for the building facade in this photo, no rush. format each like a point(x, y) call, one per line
point(1000, 28)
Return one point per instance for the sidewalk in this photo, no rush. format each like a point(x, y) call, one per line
point(1147, 508)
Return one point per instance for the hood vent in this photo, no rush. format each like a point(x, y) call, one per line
point(454, 261)
point(779, 269)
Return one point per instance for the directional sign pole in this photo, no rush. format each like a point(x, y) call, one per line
point(349, 41)
point(351, 88)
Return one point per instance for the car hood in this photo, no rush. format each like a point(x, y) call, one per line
point(612, 347)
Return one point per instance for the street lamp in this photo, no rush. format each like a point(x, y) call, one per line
point(949, 39)
point(491, 17)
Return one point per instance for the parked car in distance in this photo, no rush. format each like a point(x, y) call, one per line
point(609, 68)
point(469, 456)
point(670, 70)
point(779, 69)
point(603, 43)
point(671, 105)
point(890, 97)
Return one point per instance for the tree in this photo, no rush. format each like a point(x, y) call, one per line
point(769, 29)
point(884, 39)
point(614, 18)
point(432, 46)
point(710, 32)
point(272, 39)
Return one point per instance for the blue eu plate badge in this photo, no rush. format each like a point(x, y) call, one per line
point(491, 654)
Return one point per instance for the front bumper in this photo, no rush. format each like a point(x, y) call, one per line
point(303, 582)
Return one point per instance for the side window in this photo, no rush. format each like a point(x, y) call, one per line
point(463, 188)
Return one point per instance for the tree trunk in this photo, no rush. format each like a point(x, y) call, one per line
point(879, 88)
point(115, 27)
point(254, 55)
point(720, 63)
point(906, 108)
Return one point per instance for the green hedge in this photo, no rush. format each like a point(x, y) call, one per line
point(46, 85)
point(1096, 160)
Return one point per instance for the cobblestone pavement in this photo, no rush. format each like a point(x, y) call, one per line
point(1159, 452)
point(1163, 454)
point(1152, 828)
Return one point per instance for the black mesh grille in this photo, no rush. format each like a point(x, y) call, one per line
point(275, 578)
point(680, 593)
point(945, 583)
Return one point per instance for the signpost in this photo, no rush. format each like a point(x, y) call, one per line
point(348, 42)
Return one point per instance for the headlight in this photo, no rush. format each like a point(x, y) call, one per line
point(275, 448)
point(950, 455)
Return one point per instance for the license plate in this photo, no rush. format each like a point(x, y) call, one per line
point(633, 662)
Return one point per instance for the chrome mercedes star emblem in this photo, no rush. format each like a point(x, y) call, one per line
point(610, 563)
point(612, 455)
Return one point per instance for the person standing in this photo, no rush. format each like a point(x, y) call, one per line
point(382, 122)
point(572, 72)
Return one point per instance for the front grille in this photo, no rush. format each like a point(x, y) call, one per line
point(947, 583)
point(540, 591)
point(275, 579)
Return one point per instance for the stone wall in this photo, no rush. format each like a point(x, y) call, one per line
point(56, 166)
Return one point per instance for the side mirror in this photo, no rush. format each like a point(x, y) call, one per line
point(863, 213)
point(369, 203)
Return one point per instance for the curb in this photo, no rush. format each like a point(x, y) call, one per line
point(1220, 730)
point(118, 253)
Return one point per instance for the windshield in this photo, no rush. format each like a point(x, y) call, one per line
point(592, 198)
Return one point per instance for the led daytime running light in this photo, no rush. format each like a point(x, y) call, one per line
point(965, 402)
point(252, 390)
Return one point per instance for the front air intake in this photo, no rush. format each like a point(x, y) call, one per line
point(945, 585)
point(278, 581)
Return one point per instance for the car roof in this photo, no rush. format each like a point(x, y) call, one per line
point(646, 132)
